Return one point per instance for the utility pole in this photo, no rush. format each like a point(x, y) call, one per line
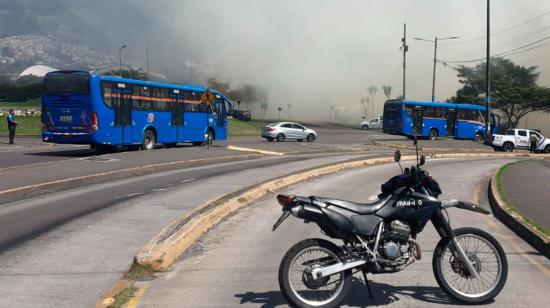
point(435, 57)
point(405, 49)
point(487, 76)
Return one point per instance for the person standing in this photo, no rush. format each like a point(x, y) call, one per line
point(12, 123)
point(534, 141)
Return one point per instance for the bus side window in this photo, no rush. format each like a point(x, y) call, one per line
point(107, 93)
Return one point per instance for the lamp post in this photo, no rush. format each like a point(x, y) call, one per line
point(120, 59)
point(435, 57)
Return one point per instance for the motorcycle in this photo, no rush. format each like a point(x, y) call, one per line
point(380, 237)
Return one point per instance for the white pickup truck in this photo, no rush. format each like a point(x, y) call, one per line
point(519, 139)
point(375, 123)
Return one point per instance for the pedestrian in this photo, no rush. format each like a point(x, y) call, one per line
point(534, 139)
point(12, 123)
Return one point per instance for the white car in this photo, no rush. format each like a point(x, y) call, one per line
point(375, 123)
point(519, 139)
point(288, 130)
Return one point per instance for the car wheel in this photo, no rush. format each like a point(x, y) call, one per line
point(547, 149)
point(280, 138)
point(310, 138)
point(270, 139)
point(508, 147)
point(365, 127)
point(433, 134)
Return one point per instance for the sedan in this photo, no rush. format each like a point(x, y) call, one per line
point(288, 130)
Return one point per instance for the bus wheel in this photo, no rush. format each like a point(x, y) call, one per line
point(433, 134)
point(479, 137)
point(149, 140)
point(280, 138)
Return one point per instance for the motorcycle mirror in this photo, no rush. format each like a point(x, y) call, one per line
point(422, 160)
point(397, 156)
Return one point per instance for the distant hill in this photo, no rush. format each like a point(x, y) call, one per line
point(81, 33)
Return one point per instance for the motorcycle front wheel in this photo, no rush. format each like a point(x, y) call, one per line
point(487, 258)
point(297, 283)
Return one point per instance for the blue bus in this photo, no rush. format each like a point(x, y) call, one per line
point(433, 120)
point(108, 112)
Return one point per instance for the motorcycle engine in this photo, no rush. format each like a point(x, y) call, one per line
point(396, 235)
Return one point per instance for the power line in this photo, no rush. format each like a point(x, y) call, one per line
point(505, 53)
point(499, 32)
point(500, 44)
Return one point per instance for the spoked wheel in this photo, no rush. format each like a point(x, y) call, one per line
point(310, 138)
point(280, 138)
point(296, 279)
point(149, 140)
point(508, 147)
point(487, 258)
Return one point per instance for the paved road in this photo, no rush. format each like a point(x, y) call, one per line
point(236, 264)
point(66, 249)
point(527, 187)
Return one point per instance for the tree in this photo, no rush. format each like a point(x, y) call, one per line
point(132, 73)
point(214, 83)
point(387, 91)
point(513, 89)
point(372, 91)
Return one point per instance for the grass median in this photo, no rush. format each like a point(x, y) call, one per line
point(511, 206)
point(239, 128)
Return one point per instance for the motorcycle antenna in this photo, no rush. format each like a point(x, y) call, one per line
point(416, 147)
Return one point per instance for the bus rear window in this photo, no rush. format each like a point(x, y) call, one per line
point(74, 83)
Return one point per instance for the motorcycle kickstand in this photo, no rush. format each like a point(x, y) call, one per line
point(367, 283)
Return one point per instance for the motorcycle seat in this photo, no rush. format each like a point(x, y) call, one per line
point(359, 208)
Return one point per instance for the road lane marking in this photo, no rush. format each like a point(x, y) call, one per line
point(187, 181)
point(243, 149)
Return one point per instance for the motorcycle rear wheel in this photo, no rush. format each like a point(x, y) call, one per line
point(488, 259)
point(299, 288)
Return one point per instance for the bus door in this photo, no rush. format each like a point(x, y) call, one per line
point(418, 118)
point(451, 122)
point(177, 117)
point(220, 118)
point(122, 104)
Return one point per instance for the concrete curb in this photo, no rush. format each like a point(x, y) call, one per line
point(19, 193)
point(407, 147)
point(515, 221)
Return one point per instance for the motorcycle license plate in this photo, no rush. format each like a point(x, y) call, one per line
point(284, 216)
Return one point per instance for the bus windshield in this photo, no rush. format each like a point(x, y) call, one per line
point(72, 82)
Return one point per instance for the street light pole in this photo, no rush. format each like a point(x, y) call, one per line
point(120, 58)
point(435, 57)
point(487, 76)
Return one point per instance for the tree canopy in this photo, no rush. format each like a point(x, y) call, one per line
point(514, 89)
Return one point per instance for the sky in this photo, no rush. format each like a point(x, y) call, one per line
point(316, 53)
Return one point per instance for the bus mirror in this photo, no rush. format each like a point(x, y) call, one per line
point(422, 160)
point(397, 156)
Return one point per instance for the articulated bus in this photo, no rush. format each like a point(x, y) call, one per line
point(433, 120)
point(108, 112)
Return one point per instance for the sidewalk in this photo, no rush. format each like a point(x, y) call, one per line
point(443, 144)
point(23, 142)
point(527, 187)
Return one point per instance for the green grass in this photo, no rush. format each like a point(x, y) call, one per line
point(511, 206)
point(140, 272)
point(28, 125)
point(30, 104)
point(123, 296)
point(239, 128)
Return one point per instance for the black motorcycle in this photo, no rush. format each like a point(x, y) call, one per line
point(379, 237)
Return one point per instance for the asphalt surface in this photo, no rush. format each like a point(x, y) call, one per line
point(236, 264)
point(527, 186)
point(66, 249)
